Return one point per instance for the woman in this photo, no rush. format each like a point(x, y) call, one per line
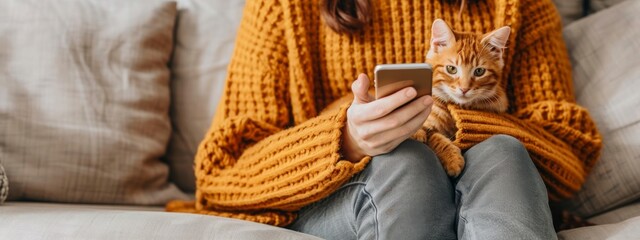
point(271, 156)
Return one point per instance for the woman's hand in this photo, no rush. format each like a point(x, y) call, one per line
point(378, 127)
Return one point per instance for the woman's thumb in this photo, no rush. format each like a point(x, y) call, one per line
point(360, 89)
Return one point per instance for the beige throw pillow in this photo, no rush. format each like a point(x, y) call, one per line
point(84, 100)
point(205, 35)
point(606, 70)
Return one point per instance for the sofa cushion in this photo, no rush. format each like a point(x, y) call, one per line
point(598, 5)
point(629, 229)
point(618, 215)
point(570, 10)
point(606, 69)
point(84, 100)
point(205, 35)
point(64, 221)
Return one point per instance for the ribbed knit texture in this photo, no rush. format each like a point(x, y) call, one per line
point(268, 153)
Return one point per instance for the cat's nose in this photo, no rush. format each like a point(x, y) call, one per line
point(464, 90)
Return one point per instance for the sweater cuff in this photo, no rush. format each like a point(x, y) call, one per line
point(561, 170)
point(284, 171)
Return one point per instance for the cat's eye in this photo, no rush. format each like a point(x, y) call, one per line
point(451, 69)
point(479, 72)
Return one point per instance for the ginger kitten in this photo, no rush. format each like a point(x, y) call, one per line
point(467, 69)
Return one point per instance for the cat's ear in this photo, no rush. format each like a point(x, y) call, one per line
point(497, 39)
point(441, 37)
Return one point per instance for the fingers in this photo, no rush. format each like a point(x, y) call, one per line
point(390, 139)
point(400, 116)
point(383, 106)
point(409, 128)
point(360, 89)
point(377, 127)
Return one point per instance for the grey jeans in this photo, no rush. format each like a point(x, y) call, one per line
point(406, 194)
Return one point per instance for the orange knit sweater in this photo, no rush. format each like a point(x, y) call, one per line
point(269, 152)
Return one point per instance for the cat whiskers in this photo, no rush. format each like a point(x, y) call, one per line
point(489, 100)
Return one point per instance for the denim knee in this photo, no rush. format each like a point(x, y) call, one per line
point(504, 150)
point(412, 168)
point(502, 153)
point(410, 192)
point(505, 141)
point(411, 159)
point(500, 192)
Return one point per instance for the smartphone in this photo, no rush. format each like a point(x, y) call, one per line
point(390, 78)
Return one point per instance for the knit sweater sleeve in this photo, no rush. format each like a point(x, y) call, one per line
point(560, 136)
point(253, 163)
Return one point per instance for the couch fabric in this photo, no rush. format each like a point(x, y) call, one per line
point(620, 231)
point(606, 70)
point(205, 31)
point(598, 5)
point(65, 221)
point(621, 223)
point(570, 10)
point(618, 215)
point(84, 100)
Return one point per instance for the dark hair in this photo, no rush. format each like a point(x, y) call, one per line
point(346, 16)
point(349, 16)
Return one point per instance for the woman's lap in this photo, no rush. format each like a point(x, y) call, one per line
point(383, 201)
point(500, 194)
point(406, 194)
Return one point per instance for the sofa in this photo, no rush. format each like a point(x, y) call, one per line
point(103, 105)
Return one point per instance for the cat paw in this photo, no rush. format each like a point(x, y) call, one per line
point(454, 164)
